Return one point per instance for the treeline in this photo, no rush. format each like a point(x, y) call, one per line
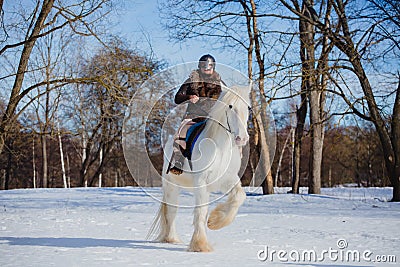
point(72, 136)
point(352, 155)
point(66, 81)
point(23, 164)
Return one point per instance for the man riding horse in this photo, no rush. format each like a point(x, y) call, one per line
point(203, 83)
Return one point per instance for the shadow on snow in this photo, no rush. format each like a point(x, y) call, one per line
point(70, 242)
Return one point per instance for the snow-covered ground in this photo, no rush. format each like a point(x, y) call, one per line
point(108, 226)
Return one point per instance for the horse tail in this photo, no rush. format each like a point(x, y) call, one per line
point(158, 227)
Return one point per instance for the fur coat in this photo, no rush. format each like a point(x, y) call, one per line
point(202, 86)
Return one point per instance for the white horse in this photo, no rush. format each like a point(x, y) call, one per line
point(216, 160)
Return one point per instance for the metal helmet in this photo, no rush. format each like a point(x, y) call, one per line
point(207, 62)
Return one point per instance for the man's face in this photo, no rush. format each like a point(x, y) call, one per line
point(207, 67)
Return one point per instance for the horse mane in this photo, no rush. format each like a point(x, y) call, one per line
point(228, 96)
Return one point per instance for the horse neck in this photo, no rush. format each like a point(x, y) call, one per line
point(216, 132)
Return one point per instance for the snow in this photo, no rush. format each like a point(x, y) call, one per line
point(108, 226)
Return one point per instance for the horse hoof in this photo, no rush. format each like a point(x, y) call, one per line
point(199, 244)
point(200, 248)
point(172, 240)
point(216, 220)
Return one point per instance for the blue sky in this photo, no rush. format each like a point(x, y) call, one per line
point(140, 23)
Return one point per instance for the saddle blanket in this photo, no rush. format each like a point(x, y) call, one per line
point(188, 133)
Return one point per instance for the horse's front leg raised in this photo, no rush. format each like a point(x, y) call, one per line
point(199, 242)
point(224, 213)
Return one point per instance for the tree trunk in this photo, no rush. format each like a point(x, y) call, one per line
point(3, 179)
point(69, 172)
point(390, 140)
point(9, 165)
point(301, 114)
point(253, 95)
point(45, 181)
point(268, 186)
point(395, 175)
point(64, 174)
point(8, 117)
point(309, 83)
point(84, 160)
point(281, 157)
point(100, 164)
point(395, 178)
point(33, 163)
point(317, 137)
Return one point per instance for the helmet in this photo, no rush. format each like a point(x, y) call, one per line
point(207, 62)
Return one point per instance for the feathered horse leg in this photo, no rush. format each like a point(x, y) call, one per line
point(199, 242)
point(164, 223)
point(225, 212)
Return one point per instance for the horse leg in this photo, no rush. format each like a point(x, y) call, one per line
point(167, 213)
point(199, 242)
point(224, 213)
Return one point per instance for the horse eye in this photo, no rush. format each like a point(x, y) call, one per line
point(230, 106)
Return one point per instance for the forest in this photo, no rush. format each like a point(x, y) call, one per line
point(329, 68)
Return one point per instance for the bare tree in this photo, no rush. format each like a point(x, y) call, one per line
point(99, 109)
point(46, 110)
point(301, 114)
point(314, 77)
point(50, 61)
point(381, 29)
point(265, 161)
point(46, 17)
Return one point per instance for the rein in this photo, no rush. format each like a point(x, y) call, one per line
point(228, 129)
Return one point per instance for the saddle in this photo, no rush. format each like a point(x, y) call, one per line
point(192, 134)
point(184, 141)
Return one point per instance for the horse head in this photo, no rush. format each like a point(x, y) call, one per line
point(237, 103)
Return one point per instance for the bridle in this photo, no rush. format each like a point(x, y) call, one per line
point(230, 106)
point(228, 127)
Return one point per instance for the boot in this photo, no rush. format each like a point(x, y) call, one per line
point(178, 164)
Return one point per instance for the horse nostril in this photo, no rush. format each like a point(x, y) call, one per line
point(238, 138)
